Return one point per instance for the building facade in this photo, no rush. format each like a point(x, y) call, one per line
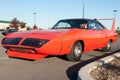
point(4, 24)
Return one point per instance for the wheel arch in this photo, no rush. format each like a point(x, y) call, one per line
point(72, 55)
point(82, 42)
point(111, 40)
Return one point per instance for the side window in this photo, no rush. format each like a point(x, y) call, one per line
point(91, 25)
point(98, 26)
point(94, 25)
point(63, 25)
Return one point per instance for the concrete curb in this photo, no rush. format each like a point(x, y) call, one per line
point(84, 73)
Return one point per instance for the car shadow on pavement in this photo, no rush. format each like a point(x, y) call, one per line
point(72, 72)
point(63, 57)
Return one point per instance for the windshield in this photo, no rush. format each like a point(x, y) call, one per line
point(67, 24)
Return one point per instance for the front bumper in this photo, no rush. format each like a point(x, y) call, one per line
point(29, 56)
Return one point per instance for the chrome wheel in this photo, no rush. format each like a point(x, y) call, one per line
point(108, 47)
point(77, 50)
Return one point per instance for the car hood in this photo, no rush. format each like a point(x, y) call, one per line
point(42, 34)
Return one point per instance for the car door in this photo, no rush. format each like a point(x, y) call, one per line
point(97, 35)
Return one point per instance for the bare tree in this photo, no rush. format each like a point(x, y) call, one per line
point(22, 24)
point(15, 23)
point(35, 27)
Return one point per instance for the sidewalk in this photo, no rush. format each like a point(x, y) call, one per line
point(84, 73)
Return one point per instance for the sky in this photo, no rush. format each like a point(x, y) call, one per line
point(48, 12)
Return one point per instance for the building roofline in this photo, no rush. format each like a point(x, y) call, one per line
point(3, 21)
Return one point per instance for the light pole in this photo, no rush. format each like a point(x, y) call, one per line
point(83, 11)
point(115, 11)
point(34, 19)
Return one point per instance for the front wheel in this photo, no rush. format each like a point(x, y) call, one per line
point(107, 47)
point(76, 52)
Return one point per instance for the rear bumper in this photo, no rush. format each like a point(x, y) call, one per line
point(29, 56)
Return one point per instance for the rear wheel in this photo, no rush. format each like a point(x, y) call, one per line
point(76, 52)
point(107, 47)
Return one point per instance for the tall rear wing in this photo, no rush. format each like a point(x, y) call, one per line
point(113, 22)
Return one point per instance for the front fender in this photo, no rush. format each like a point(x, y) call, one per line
point(53, 47)
point(67, 43)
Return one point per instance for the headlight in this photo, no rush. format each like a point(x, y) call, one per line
point(34, 42)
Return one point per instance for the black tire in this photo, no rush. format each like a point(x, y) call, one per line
point(107, 47)
point(76, 52)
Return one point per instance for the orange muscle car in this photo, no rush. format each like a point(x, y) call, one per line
point(70, 37)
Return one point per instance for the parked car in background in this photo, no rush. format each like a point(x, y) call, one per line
point(70, 37)
point(9, 30)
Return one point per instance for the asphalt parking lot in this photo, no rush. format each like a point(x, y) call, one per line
point(50, 68)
